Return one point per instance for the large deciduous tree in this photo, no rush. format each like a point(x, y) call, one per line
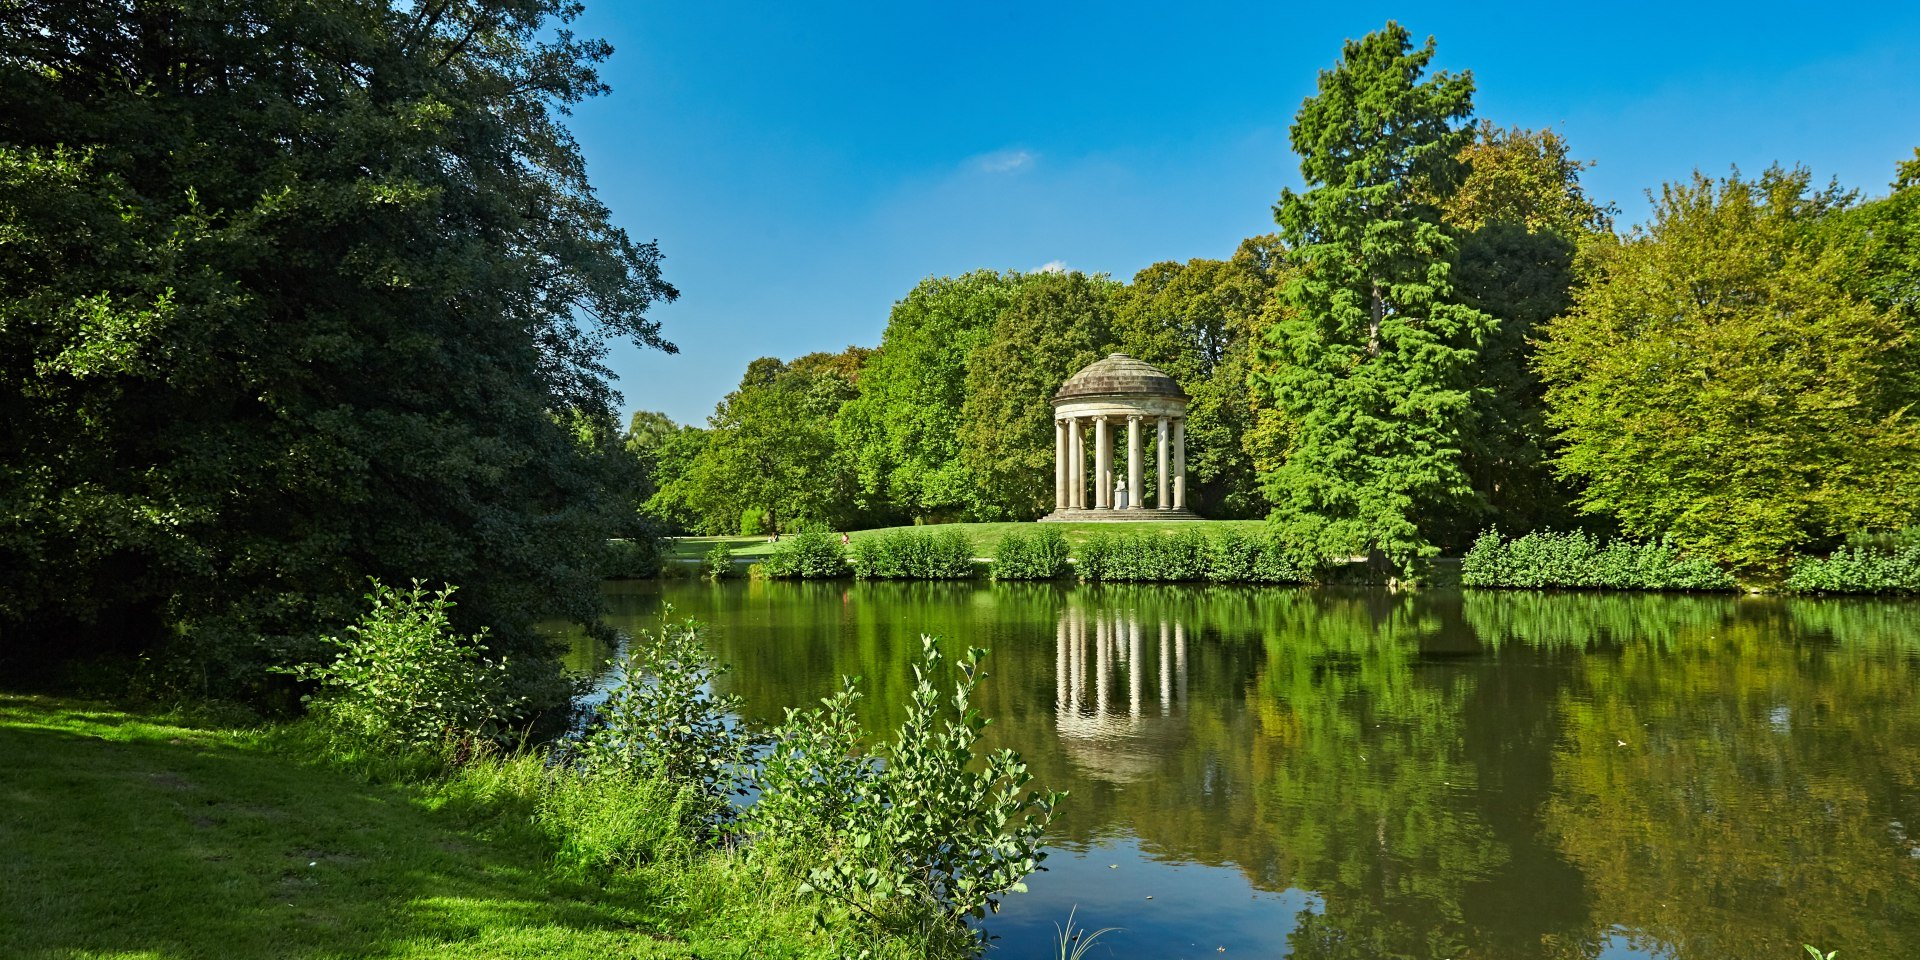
point(1198, 322)
point(771, 446)
point(1372, 350)
point(1056, 324)
point(1521, 214)
point(1717, 381)
point(903, 431)
point(292, 294)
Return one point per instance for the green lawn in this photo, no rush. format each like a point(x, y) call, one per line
point(985, 536)
point(131, 837)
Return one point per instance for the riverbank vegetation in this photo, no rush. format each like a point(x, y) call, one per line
point(1446, 333)
point(635, 826)
point(1575, 560)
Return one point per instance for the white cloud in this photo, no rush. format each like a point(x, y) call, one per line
point(1010, 160)
point(1051, 266)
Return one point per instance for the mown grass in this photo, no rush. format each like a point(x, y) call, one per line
point(985, 536)
point(138, 836)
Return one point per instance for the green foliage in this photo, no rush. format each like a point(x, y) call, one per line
point(718, 563)
point(771, 446)
point(1228, 556)
point(913, 555)
point(296, 294)
point(1056, 324)
point(647, 436)
point(632, 559)
point(1040, 555)
point(900, 430)
point(753, 522)
point(610, 821)
point(1890, 541)
point(1522, 178)
point(1859, 570)
point(1521, 212)
point(1198, 322)
point(663, 720)
point(1236, 557)
point(1716, 380)
point(932, 820)
point(1545, 559)
point(811, 554)
point(671, 461)
point(401, 676)
point(1143, 556)
point(1371, 352)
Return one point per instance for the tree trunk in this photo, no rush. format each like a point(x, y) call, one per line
point(1373, 326)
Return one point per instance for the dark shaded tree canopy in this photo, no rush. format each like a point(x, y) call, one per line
point(295, 294)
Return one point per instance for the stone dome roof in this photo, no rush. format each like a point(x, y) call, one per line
point(1119, 375)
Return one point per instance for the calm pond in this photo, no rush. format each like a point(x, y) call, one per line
point(1357, 774)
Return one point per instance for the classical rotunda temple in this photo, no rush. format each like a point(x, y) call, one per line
point(1110, 395)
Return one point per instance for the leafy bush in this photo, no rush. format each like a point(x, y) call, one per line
point(662, 720)
point(1858, 570)
point(913, 555)
point(921, 822)
point(718, 564)
point(753, 522)
point(1885, 541)
point(1041, 556)
point(631, 559)
point(1144, 556)
point(812, 778)
point(402, 677)
point(808, 555)
point(1236, 557)
point(1542, 560)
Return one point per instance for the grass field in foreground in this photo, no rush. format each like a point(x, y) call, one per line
point(986, 536)
point(128, 837)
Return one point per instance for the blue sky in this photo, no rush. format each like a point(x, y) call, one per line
point(803, 165)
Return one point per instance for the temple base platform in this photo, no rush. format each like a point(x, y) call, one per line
point(1118, 516)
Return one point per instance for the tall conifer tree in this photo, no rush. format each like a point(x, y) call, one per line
point(1371, 351)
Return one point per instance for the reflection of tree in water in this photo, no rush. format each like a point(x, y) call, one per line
point(1748, 810)
point(1442, 770)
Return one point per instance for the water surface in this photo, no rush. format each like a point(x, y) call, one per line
point(1357, 774)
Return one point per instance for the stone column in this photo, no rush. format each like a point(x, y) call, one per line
point(1180, 464)
point(1136, 470)
point(1161, 502)
point(1076, 465)
point(1059, 465)
point(1102, 465)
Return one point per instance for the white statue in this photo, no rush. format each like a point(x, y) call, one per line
point(1120, 495)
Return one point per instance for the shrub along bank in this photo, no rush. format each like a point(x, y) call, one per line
point(913, 555)
point(1888, 564)
point(1225, 555)
point(1865, 569)
point(1576, 560)
point(1037, 555)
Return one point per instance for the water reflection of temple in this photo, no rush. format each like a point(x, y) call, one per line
point(1118, 679)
